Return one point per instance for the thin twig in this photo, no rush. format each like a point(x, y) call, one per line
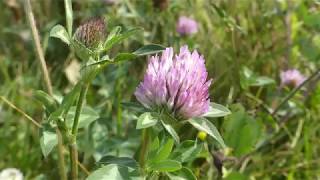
point(37, 44)
point(294, 91)
point(34, 122)
point(286, 169)
point(40, 54)
point(83, 168)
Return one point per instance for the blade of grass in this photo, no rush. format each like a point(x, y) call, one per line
point(34, 122)
point(69, 15)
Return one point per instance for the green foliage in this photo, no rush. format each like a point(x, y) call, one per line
point(168, 127)
point(165, 165)
point(48, 140)
point(246, 44)
point(67, 101)
point(236, 175)
point(183, 174)
point(242, 132)
point(48, 102)
point(116, 37)
point(163, 151)
point(87, 116)
point(217, 110)
point(149, 49)
point(205, 125)
point(120, 161)
point(60, 32)
point(248, 78)
point(146, 120)
point(113, 171)
point(187, 151)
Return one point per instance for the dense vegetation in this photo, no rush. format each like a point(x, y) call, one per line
point(272, 131)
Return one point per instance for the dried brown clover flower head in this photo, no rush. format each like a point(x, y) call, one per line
point(161, 4)
point(91, 32)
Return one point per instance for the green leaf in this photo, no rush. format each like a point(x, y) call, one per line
point(124, 57)
point(117, 38)
point(87, 116)
point(146, 120)
point(70, 98)
point(164, 151)
point(69, 15)
point(186, 151)
point(183, 174)
point(113, 171)
point(47, 101)
point(153, 148)
point(121, 161)
point(60, 32)
point(101, 63)
point(217, 110)
point(136, 107)
point(249, 78)
point(48, 140)
point(149, 49)
point(262, 81)
point(236, 175)
point(66, 103)
point(205, 125)
point(165, 166)
point(241, 131)
point(220, 11)
point(114, 32)
point(171, 131)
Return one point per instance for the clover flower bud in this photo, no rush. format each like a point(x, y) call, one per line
point(92, 32)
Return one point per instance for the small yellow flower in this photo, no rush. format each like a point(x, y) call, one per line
point(202, 135)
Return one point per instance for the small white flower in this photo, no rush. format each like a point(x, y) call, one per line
point(11, 174)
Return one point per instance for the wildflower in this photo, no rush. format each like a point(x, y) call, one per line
point(202, 135)
point(187, 26)
point(177, 83)
point(291, 77)
point(11, 174)
point(92, 32)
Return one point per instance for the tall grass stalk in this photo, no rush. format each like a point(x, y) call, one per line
point(42, 62)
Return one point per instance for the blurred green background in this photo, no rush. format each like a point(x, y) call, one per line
point(246, 43)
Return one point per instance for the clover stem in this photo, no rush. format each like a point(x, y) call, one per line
point(62, 169)
point(73, 145)
point(144, 147)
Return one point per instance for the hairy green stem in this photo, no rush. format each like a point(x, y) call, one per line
point(144, 147)
point(74, 158)
point(62, 170)
point(80, 103)
point(73, 145)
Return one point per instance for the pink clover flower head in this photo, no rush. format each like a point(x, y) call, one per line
point(187, 26)
point(292, 77)
point(177, 82)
